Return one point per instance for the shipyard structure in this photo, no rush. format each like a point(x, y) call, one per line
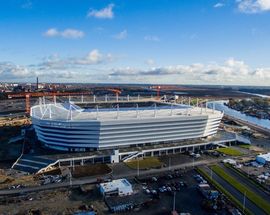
point(70, 127)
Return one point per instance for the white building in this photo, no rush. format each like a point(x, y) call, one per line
point(67, 127)
point(263, 158)
point(120, 187)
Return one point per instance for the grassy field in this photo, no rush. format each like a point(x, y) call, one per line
point(224, 191)
point(90, 170)
point(256, 199)
point(146, 163)
point(229, 151)
point(244, 146)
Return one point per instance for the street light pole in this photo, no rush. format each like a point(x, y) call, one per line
point(244, 201)
point(138, 167)
point(174, 201)
point(70, 179)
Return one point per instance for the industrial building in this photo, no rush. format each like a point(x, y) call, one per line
point(68, 127)
point(119, 187)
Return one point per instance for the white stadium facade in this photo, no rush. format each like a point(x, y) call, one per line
point(68, 127)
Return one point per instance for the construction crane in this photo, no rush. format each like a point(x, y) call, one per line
point(116, 91)
point(157, 88)
point(27, 96)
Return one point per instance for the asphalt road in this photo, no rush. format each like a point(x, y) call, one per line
point(247, 183)
point(88, 180)
point(238, 195)
point(251, 125)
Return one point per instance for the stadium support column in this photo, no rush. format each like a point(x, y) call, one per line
point(106, 98)
point(117, 99)
point(54, 99)
point(70, 111)
point(50, 110)
point(128, 98)
point(97, 111)
point(137, 111)
point(94, 98)
point(197, 102)
point(69, 98)
point(188, 101)
point(117, 116)
point(138, 97)
point(82, 98)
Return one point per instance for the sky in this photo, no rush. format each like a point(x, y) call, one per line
point(131, 41)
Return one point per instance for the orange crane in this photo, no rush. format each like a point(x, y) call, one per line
point(116, 91)
point(27, 96)
point(157, 88)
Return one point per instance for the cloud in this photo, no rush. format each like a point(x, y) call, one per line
point(218, 5)
point(253, 6)
point(94, 57)
point(9, 70)
point(57, 68)
point(104, 13)
point(122, 35)
point(159, 71)
point(152, 38)
point(27, 4)
point(82, 69)
point(232, 71)
point(68, 33)
point(150, 62)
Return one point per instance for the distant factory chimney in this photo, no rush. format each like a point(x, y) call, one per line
point(37, 83)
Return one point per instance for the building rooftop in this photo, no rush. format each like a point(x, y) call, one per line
point(72, 112)
point(115, 184)
point(265, 156)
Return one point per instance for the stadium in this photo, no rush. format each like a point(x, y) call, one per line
point(69, 127)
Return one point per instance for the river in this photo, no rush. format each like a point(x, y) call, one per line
point(220, 105)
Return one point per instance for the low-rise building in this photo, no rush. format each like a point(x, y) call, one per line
point(263, 158)
point(119, 187)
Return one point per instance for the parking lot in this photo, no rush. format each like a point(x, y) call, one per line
point(161, 189)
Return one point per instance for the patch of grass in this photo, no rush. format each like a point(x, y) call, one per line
point(229, 151)
point(256, 199)
point(221, 189)
point(90, 170)
point(146, 163)
point(244, 175)
point(244, 146)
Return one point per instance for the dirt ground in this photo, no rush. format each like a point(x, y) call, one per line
point(57, 202)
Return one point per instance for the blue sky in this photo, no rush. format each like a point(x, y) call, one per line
point(131, 41)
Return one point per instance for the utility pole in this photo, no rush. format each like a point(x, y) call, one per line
point(169, 163)
point(174, 201)
point(244, 201)
point(138, 167)
point(70, 179)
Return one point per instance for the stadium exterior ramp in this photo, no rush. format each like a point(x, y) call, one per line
point(67, 127)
